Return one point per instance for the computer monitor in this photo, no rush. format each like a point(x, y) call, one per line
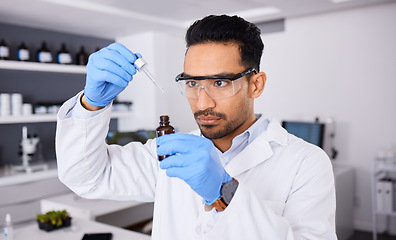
point(312, 132)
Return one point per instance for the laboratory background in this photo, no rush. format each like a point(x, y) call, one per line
point(331, 68)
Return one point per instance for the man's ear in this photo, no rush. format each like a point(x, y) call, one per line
point(257, 84)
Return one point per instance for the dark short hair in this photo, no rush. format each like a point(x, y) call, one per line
point(229, 29)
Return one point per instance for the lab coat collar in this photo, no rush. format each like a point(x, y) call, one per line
point(259, 150)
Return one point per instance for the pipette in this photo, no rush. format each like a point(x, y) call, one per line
point(141, 65)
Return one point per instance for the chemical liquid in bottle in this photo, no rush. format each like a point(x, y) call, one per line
point(163, 129)
point(82, 57)
point(4, 50)
point(8, 230)
point(43, 54)
point(23, 52)
point(63, 56)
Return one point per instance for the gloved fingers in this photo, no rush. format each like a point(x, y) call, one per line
point(104, 76)
point(107, 71)
point(179, 160)
point(181, 143)
point(110, 56)
point(99, 97)
point(123, 51)
point(138, 55)
point(180, 136)
point(195, 181)
point(178, 172)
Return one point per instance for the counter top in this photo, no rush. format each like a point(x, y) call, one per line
point(8, 177)
point(93, 207)
point(76, 231)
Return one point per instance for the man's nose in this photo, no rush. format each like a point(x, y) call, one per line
point(204, 100)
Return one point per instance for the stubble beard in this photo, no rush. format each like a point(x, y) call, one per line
point(230, 126)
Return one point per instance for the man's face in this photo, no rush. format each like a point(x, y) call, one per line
point(218, 118)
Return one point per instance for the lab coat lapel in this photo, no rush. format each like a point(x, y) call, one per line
point(255, 153)
point(259, 150)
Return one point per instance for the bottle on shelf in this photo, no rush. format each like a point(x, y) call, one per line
point(164, 128)
point(64, 56)
point(4, 50)
point(8, 230)
point(82, 57)
point(44, 55)
point(23, 52)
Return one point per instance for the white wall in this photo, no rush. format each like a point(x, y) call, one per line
point(340, 65)
point(140, 91)
point(170, 50)
point(164, 54)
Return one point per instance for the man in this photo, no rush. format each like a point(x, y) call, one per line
point(240, 176)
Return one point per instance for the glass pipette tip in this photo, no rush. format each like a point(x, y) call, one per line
point(141, 65)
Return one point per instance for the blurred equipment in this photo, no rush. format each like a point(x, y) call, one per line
point(8, 230)
point(28, 147)
point(312, 132)
point(318, 133)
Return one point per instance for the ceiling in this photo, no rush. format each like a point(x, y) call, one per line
point(115, 18)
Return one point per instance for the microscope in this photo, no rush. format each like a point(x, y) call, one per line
point(28, 147)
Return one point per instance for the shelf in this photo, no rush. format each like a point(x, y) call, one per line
point(386, 213)
point(37, 118)
point(7, 177)
point(28, 119)
point(41, 67)
point(385, 167)
point(380, 169)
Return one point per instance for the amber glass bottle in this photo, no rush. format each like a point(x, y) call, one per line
point(164, 128)
point(82, 57)
point(63, 56)
point(23, 52)
point(4, 50)
point(44, 55)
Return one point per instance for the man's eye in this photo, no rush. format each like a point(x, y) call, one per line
point(191, 84)
point(221, 83)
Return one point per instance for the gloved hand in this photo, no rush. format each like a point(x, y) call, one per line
point(109, 71)
point(193, 159)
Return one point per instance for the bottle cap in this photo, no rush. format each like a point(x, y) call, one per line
point(164, 118)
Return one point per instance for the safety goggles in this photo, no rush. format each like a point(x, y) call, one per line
point(216, 87)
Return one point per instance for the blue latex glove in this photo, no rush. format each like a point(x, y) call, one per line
point(109, 71)
point(195, 160)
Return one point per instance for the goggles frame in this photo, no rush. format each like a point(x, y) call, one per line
point(180, 77)
point(182, 81)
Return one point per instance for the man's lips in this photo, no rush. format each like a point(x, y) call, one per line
point(208, 120)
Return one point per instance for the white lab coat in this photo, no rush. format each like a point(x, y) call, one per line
point(286, 188)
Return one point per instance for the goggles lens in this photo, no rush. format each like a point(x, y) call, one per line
point(216, 87)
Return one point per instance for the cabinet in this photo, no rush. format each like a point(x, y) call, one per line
point(344, 177)
point(43, 67)
point(381, 170)
point(21, 193)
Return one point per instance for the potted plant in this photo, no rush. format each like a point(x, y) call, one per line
point(53, 220)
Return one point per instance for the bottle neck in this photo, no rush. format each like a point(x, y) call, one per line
point(44, 47)
point(164, 123)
